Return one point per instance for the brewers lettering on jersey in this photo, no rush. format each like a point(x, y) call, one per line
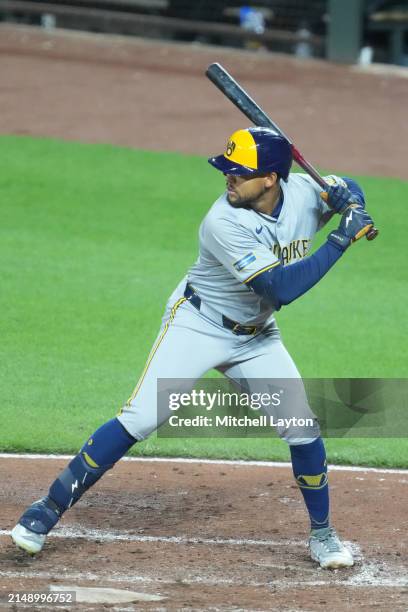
point(254, 258)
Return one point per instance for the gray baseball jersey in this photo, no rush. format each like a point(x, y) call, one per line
point(236, 244)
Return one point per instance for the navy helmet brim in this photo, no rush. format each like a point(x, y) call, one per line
point(220, 162)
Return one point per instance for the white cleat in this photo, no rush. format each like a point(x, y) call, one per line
point(328, 550)
point(27, 540)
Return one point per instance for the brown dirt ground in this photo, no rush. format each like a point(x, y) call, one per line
point(155, 96)
point(261, 506)
point(152, 95)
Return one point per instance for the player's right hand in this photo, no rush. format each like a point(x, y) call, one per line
point(355, 223)
point(338, 197)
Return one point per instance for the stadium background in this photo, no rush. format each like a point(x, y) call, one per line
point(95, 236)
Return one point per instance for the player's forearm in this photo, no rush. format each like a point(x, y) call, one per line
point(282, 285)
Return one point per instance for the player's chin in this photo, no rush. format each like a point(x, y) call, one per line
point(234, 199)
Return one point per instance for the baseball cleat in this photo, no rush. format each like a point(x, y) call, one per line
point(328, 550)
point(33, 526)
point(27, 540)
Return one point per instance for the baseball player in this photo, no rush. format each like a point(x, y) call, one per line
point(253, 259)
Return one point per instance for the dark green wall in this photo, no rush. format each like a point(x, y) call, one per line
point(345, 30)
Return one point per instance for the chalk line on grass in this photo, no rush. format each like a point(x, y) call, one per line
point(237, 462)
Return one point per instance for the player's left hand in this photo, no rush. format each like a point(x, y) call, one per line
point(355, 223)
point(338, 197)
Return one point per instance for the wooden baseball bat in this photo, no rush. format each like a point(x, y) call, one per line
point(241, 99)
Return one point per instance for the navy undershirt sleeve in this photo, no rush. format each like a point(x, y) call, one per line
point(356, 190)
point(281, 285)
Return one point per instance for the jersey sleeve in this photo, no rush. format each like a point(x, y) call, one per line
point(236, 249)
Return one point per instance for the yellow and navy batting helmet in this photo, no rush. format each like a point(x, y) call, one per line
point(255, 150)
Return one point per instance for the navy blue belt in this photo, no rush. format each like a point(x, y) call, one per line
point(236, 328)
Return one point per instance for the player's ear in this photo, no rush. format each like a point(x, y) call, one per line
point(271, 179)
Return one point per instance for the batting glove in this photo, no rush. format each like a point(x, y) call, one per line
point(355, 223)
point(339, 198)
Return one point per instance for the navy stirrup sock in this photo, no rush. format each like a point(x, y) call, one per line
point(310, 471)
point(100, 453)
point(108, 444)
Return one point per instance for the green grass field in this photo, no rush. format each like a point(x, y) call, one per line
point(94, 239)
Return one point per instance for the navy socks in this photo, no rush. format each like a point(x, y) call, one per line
point(310, 471)
point(108, 444)
point(100, 453)
point(111, 441)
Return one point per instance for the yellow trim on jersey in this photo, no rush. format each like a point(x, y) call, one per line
point(277, 263)
point(154, 349)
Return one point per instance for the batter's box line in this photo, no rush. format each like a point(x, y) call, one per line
point(367, 573)
point(370, 579)
point(124, 536)
point(73, 533)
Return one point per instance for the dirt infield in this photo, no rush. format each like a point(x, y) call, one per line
point(155, 96)
point(204, 536)
point(211, 537)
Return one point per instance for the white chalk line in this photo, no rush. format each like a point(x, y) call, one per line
point(73, 533)
point(121, 578)
point(232, 462)
point(367, 578)
point(368, 574)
